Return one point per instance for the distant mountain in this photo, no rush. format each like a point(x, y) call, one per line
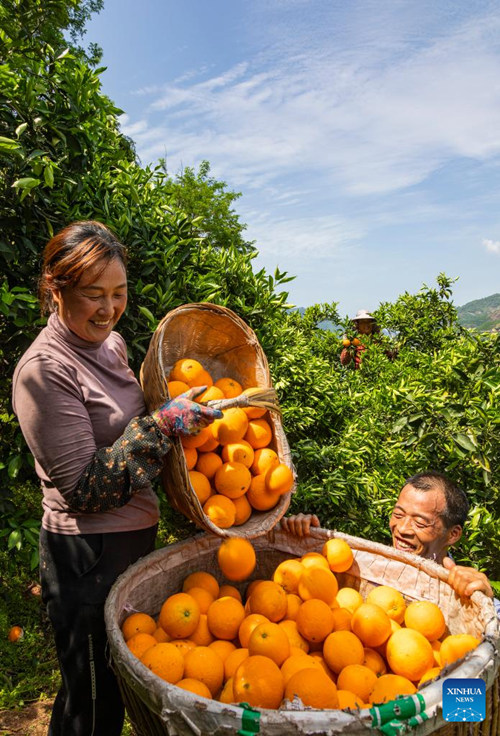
point(481, 314)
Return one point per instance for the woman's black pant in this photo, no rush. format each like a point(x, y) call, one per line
point(77, 572)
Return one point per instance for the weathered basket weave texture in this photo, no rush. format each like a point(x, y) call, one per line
point(226, 346)
point(155, 707)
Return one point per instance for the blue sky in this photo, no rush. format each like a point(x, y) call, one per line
point(364, 136)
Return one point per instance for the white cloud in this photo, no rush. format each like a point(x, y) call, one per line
point(492, 246)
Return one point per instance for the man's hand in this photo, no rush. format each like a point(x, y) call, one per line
point(466, 580)
point(300, 525)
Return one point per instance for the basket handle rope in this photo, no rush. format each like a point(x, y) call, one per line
point(262, 398)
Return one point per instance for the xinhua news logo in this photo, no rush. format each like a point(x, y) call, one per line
point(464, 699)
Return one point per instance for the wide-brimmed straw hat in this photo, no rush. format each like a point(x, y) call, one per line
point(363, 314)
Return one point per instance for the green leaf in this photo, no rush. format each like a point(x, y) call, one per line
point(15, 540)
point(145, 311)
point(464, 441)
point(26, 183)
point(7, 144)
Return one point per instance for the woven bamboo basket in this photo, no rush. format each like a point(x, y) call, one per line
point(157, 708)
point(226, 346)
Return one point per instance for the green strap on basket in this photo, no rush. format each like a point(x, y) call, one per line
point(250, 720)
point(394, 728)
point(397, 710)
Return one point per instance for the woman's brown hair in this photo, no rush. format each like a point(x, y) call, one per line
point(70, 252)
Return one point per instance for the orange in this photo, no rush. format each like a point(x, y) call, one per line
point(296, 662)
point(238, 452)
point(313, 687)
point(269, 599)
point(342, 648)
point(263, 459)
point(429, 675)
point(358, 679)
point(339, 554)
point(183, 645)
point(251, 587)
point(233, 661)
point(374, 661)
point(390, 600)
point(247, 626)
point(409, 654)
point(231, 428)
point(371, 624)
point(288, 574)
point(236, 558)
point(348, 700)
point(229, 387)
point(196, 440)
point(314, 559)
point(201, 579)
point(179, 616)
point(279, 479)
point(201, 485)
point(426, 617)
point(314, 620)
point(253, 412)
point(227, 695)
point(222, 647)
point(194, 686)
point(293, 603)
point(229, 590)
point(140, 643)
point(388, 687)
point(341, 619)
point(176, 388)
point(270, 641)
point(190, 371)
point(138, 622)
point(224, 617)
point(191, 455)
point(436, 649)
point(243, 510)
point(258, 495)
point(208, 463)
point(220, 510)
point(258, 682)
point(232, 480)
point(318, 583)
point(202, 636)
point(258, 433)
point(319, 659)
point(161, 635)
point(210, 445)
point(205, 665)
point(166, 661)
point(349, 598)
point(455, 647)
point(211, 394)
point(294, 637)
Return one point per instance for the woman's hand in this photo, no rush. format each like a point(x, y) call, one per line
point(299, 525)
point(183, 416)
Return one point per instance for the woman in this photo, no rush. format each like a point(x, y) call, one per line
point(96, 451)
point(365, 326)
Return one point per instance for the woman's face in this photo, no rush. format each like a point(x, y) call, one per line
point(365, 326)
point(92, 308)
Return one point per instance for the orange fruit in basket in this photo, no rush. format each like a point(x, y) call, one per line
point(254, 412)
point(314, 620)
point(211, 394)
point(138, 622)
point(205, 665)
point(288, 574)
point(224, 617)
point(202, 636)
point(349, 598)
point(229, 387)
point(426, 617)
point(348, 700)
point(294, 637)
point(269, 599)
point(210, 445)
point(208, 463)
point(227, 695)
point(232, 480)
point(194, 686)
point(390, 600)
point(270, 641)
point(201, 579)
point(293, 603)
point(388, 687)
point(409, 654)
point(313, 687)
point(341, 619)
point(263, 459)
point(184, 645)
point(140, 643)
point(318, 583)
point(279, 479)
point(258, 433)
point(234, 660)
point(191, 455)
point(338, 554)
point(429, 675)
point(258, 495)
point(238, 452)
point(196, 440)
point(314, 559)
point(358, 679)
point(236, 558)
point(190, 371)
point(456, 646)
point(258, 682)
point(229, 590)
point(342, 648)
point(179, 616)
point(202, 596)
point(374, 661)
point(371, 624)
point(436, 649)
point(296, 662)
point(231, 428)
point(220, 510)
point(222, 647)
point(166, 661)
point(251, 587)
point(161, 635)
point(201, 485)
point(248, 625)
point(176, 388)
point(243, 509)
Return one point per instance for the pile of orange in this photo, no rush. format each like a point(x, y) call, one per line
point(231, 466)
point(296, 635)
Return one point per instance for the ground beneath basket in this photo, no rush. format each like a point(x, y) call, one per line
point(33, 720)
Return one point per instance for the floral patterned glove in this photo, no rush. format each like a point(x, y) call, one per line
point(183, 416)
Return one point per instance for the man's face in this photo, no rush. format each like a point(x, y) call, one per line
point(416, 524)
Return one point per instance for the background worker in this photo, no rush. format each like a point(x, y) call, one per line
point(366, 326)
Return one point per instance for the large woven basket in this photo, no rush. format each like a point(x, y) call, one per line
point(226, 346)
point(157, 708)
